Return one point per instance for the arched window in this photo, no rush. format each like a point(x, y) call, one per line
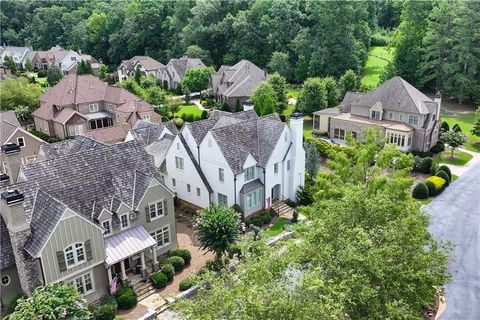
point(75, 254)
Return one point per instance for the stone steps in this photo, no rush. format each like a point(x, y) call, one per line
point(144, 289)
point(283, 209)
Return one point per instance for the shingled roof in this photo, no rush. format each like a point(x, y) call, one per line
point(183, 64)
point(66, 147)
point(147, 62)
point(8, 124)
point(86, 182)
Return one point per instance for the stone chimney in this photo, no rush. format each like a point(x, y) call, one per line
point(15, 218)
point(438, 100)
point(11, 152)
point(4, 180)
point(298, 158)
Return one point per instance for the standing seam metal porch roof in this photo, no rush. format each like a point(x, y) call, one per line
point(126, 244)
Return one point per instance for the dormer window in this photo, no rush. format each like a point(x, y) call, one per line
point(250, 173)
point(107, 226)
point(413, 120)
point(375, 115)
point(93, 107)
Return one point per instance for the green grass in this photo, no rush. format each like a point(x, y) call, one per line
point(277, 227)
point(293, 92)
point(289, 110)
point(425, 201)
point(461, 158)
point(378, 58)
point(465, 121)
point(454, 177)
point(189, 109)
point(307, 127)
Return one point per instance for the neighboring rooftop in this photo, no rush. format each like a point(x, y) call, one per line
point(394, 125)
point(8, 124)
point(184, 63)
point(66, 147)
point(239, 80)
point(147, 62)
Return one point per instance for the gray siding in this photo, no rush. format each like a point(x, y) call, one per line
point(361, 111)
point(13, 288)
point(71, 230)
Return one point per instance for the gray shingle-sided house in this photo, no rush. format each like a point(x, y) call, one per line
point(171, 76)
point(18, 54)
point(85, 213)
point(232, 83)
point(85, 104)
point(147, 65)
point(12, 132)
point(405, 116)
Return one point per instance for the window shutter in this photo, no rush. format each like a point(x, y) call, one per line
point(147, 213)
point(165, 208)
point(62, 265)
point(88, 250)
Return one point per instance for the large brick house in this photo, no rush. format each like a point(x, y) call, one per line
point(405, 116)
point(86, 105)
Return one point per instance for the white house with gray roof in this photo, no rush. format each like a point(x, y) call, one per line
point(82, 214)
point(406, 117)
point(173, 73)
point(233, 158)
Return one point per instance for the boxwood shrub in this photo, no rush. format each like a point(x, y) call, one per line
point(420, 191)
point(438, 182)
point(177, 262)
point(184, 253)
point(159, 279)
point(447, 171)
point(126, 298)
point(432, 189)
point(185, 284)
point(168, 270)
point(105, 312)
point(438, 147)
point(442, 174)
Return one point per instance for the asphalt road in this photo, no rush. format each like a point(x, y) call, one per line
point(455, 217)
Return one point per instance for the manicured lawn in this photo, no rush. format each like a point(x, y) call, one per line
point(378, 58)
point(289, 110)
point(189, 109)
point(454, 177)
point(425, 201)
point(42, 81)
point(307, 127)
point(461, 157)
point(293, 92)
point(465, 121)
point(277, 227)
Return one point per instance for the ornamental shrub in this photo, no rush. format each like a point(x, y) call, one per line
point(168, 270)
point(456, 128)
point(184, 253)
point(159, 279)
point(214, 265)
point(177, 262)
point(438, 182)
point(447, 170)
point(42, 73)
point(442, 174)
point(178, 122)
point(433, 169)
point(234, 250)
point(104, 312)
point(420, 191)
point(425, 165)
point(239, 210)
point(185, 284)
point(438, 147)
point(432, 189)
point(445, 127)
point(126, 298)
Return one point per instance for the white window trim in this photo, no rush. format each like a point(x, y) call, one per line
point(275, 168)
point(174, 183)
point(8, 280)
point(154, 236)
point(128, 222)
point(146, 117)
point(75, 255)
point(156, 210)
point(189, 188)
point(221, 175)
point(85, 292)
point(180, 161)
point(252, 177)
point(199, 193)
point(24, 142)
point(93, 107)
point(110, 226)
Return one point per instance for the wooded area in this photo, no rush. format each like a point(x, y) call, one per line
point(437, 43)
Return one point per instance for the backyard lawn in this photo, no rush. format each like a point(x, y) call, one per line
point(277, 227)
point(378, 58)
point(461, 158)
point(465, 121)
point(307, 127)
point(293, 92)
point(189, 109)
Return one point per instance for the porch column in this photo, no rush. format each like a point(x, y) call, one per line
point(109, 271)
point(142, 259)
point(122, 266)
point(155, 261)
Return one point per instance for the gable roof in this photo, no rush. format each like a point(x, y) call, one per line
point(184, 63)
point(7, 259)
point(8, 124)
point(147, 62)
point(108, 135)
point(66, 147)
point(239, 80)
point(398, 95)
point(195, 164)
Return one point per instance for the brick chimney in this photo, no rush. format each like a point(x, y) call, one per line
point(11, 152)
point(298, 161)
point(13, 213)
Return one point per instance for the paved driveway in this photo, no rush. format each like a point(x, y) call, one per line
point(455, 217)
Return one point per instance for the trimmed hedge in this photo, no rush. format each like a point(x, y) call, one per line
point(445, 127)
point(185, 284)
point(432, 189)
point(159, 279)
point(184, 253)
point(324, 148)
point(420, 191)
point(438, 147)
point(262, 218)
point(177, 262)
point(456, 128)
point(104, 312)
point(437, 182)
point(442, 174)
point(168, 270)
point(447, 170)
point(126, 298)
point(422, 165)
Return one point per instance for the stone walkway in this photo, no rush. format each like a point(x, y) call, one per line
point(459, 170)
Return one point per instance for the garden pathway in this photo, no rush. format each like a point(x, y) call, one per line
point(459, 170)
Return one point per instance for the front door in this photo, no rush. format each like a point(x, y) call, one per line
point(276, 192)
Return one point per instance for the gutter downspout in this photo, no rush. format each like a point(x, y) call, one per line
point(264, 187)
point(235, 188)
point(198, 154)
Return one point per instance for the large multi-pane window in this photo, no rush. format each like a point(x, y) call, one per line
point(124, 221)
point(75, 130)
point(84, 284)
point(93, 107)
point(398, 139)
point(253, 199)
point(413, 120)
point(222, 199)
point(375, 115)
point(179, 163)
point(162, 236)
point(156, 210)
point(107, 226)
point(339, 134)
point(101, 123)
point(250, 173)
point(75, 254)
